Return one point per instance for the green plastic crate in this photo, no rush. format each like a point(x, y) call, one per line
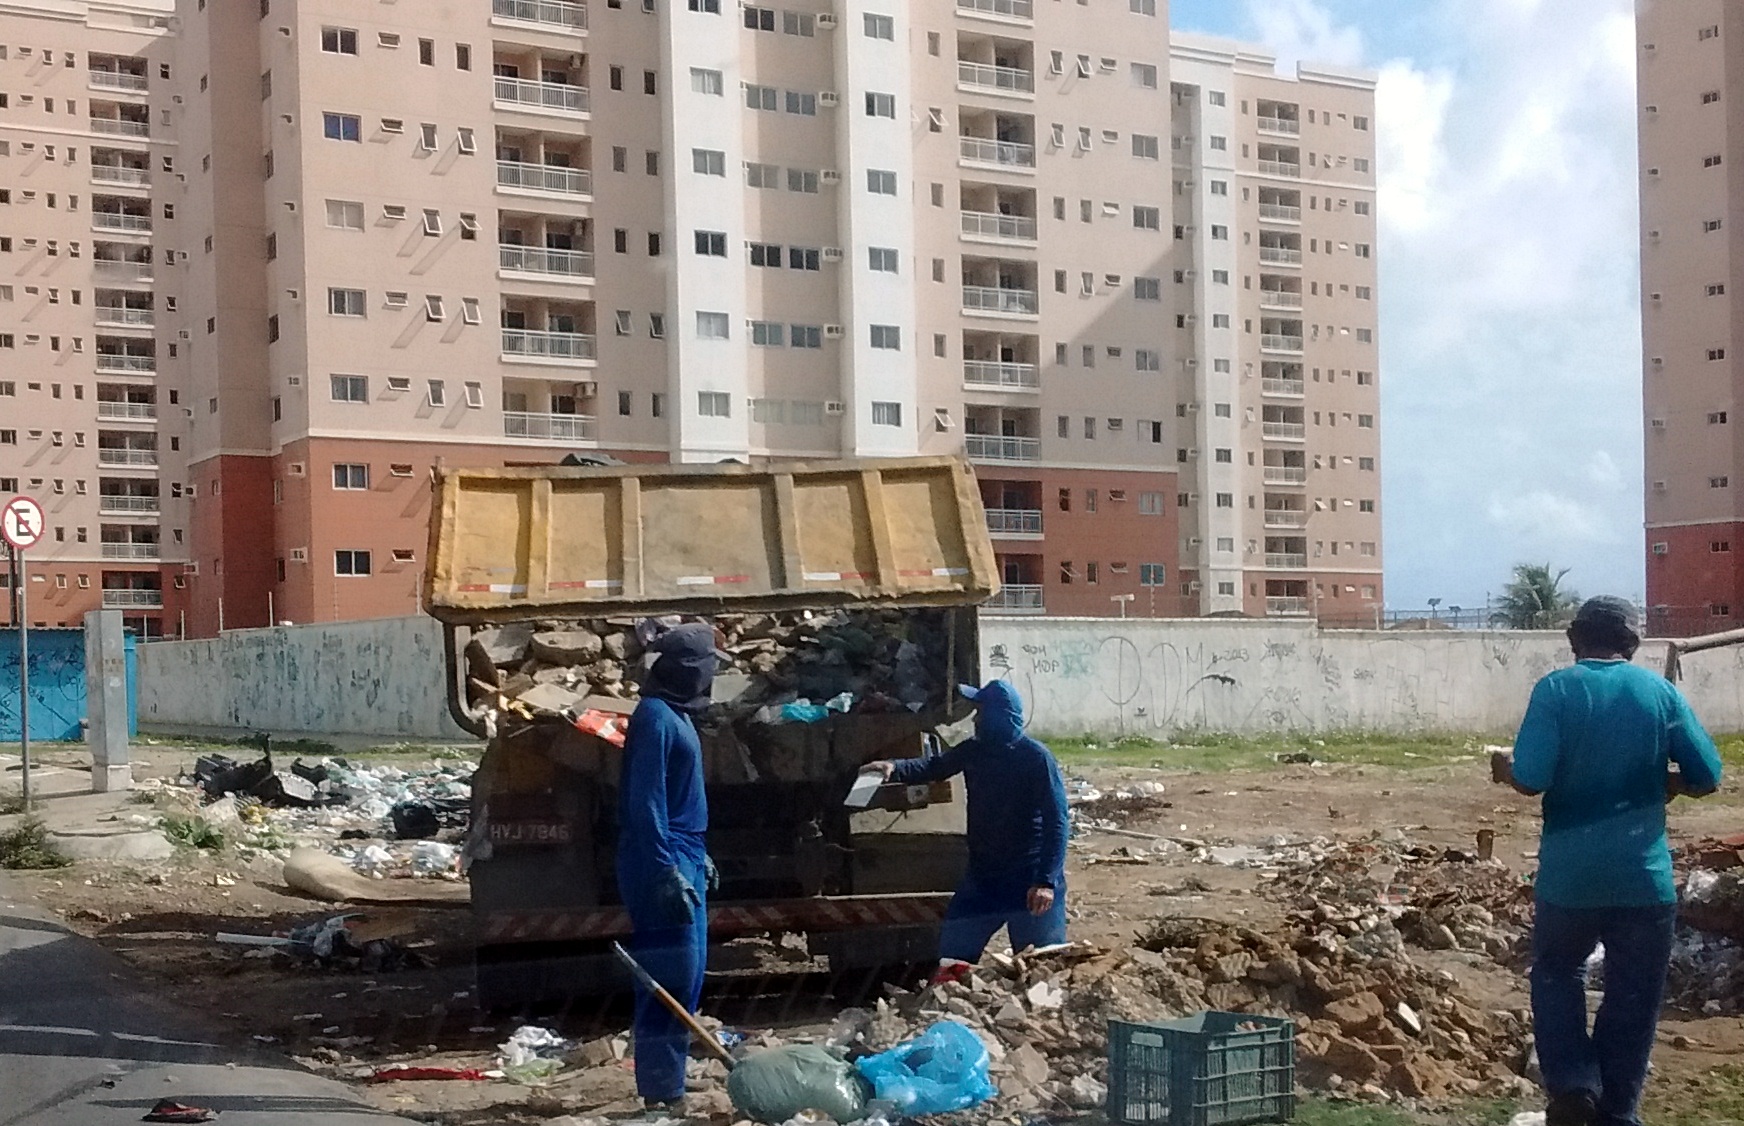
point(1202, 1071)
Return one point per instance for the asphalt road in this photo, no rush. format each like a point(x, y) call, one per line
point(81, 1044)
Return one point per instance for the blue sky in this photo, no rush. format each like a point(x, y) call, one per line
point(1510, 290)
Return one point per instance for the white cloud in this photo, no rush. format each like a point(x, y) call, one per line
point(1303, 30)
point(1559, 523)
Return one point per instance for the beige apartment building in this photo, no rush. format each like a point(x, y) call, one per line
point(1690, 63)
point(330, 246)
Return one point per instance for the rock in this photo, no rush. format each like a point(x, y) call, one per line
point(550, 698)
point(1086, 1093)
point(616, 646)
point(1011, 1015)
point(567, 647)
point(605, 672)
point(1348, 1059)
point(505, 645)
point(1028, 1066)
point(1408, 1018)
point(1357, 1013)
point(1045, 995)
point(1283, 970)
point(593, 1053)
point(1421, 1078)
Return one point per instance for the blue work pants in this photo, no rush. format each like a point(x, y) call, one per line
point(675, 956)
point(981, 906)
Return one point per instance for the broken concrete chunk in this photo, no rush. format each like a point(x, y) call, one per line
point(1408, 1018)
point(550, 698)
point(567, 647)
point(505, 645)
point(1044, 995)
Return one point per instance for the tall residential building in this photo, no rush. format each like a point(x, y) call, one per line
point(1691, 292)
point(1134, 286)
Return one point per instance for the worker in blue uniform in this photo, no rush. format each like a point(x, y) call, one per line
point(664, 873)
point(1017, 831)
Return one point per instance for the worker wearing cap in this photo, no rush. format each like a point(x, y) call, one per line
point(1599, 742)
point(664, 872)
point(1017, 830)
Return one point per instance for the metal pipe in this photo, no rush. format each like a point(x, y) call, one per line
point(457, 709)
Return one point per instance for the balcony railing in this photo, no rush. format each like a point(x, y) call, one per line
point(139, 412)
point(120, 174)
point(551, 427)
point(1280, 299)
point(1279, 168)
point(112, 361)
point(998, 299)
point(1017, 598)
point(1272, 342)
point(1284, 431)
point(540, 260)
point(1289, 388)
point(1281, 255)
point(121, 126)
point(1287, 607)
point(148, 599)
point(994, 447)
point(1010, 9)
point(119, 80)
point(115, 455)
point(130, 550)
point(1286, 560)
point(1286, 518)
point(1286, 474)
point(544, 177)
point(545, 95)
point(1286, 126)
point(121, 221)
point(1280, 212)
point(1005, 79)
point(551, 13)
point(1004, 376)
point(547, 345)
point(1014, 521)
point(121, 270)
point(112, 504)
point(985, 150)
point(986, 224)
point(124, 315)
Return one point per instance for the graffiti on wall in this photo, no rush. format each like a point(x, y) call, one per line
point(57, 685)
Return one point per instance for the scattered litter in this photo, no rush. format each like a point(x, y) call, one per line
point(777, 1084)
point(169, 1110)
point(944, 1069)
point(530, 1042)
point(397, 1074)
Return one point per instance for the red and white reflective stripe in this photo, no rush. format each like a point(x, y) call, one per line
point(494, 588)
point(836, 576)
point(587, 584)
point(935, 573)
point(814, 914)
point(710, 580)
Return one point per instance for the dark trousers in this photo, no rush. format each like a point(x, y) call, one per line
point(675, 956)
point(980, 907)
point(1610, 1061)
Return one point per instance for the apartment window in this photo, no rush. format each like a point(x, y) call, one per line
point(1361, 207)
point(1717, 482)
point(887, 337)
point(1150, 504)
point(714, 404)
point(1712, 161)
point(1716, 418)
point(801, 24)
point(657, 326)
point(799, 180)
point(1718, 289)
point(650, 83)
point(1720, 547)
point(760, 19)
point(879, 27)
point(766, 255)
point(880, 182)
point(1147, 218)
point(653, 244)
point(427, 141)
point(1152, 574)
point(342, 127)
point(768, 334)
point(808, 258)
point(803, 104)
point(806, 336)
point(883, 259)
point(345, 302)
point(351, 562)
point(1364, 293)
point(1362, 250)
point(886, 414)
point(1143, 147)
point(427, 52)
point(350, 475)
point(712, 326)
point(706, 81)
point(1225, 500)
point(1365, 421)
point(436, 393)
point(349, 388)
point(1144, 75)
point(1147, 289)
point(762, 98)
point(615, 77)
point(339, 40)
point(1709, 226)
point(1712, 31)
point(707, 7)
point(463, 56)
point(880, 105)
point(713, 244)
point(1715, 354)
point(1367, 464)
point(1360, 164)
point(1365, 506)
point(622, 322)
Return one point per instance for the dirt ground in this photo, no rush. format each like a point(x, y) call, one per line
point(162, 918)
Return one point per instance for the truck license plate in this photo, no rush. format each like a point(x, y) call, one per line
point(530, 833)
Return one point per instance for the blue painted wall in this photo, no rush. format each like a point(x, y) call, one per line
point(57, 685)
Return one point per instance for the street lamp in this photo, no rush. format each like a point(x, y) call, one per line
point(1123, 599)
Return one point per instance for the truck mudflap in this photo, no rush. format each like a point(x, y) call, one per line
point(729, 920)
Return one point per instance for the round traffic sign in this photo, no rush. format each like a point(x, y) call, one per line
point(22, 522)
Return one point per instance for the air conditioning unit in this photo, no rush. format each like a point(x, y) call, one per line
point(832, 254)
point(1657, 296)
point(1661, 549)
point(833, 332)
point(297, 469)
point(586, 389)
point(1190, 363)
point(825, 19)
point(830, 176)
point(834, 407)
point(1659, 486)
point(294, 380)
point(299, 555)
point(829, 98)
point(1193, 408)
point(1194, 541)
point(183, 334)
point(1193, 455)
point(1193, 587)
point(1658, 424)
point(1652, 109)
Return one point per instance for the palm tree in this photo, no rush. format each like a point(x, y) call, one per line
point(1535, 599)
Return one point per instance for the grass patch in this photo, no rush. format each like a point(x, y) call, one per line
point(192, 832)
point(1315, 1111)
point(11, 801)
point(25, 846)
point(1208, 751)
point(1713, 1099)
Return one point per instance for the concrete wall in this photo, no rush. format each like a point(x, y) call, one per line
point(1078, 675)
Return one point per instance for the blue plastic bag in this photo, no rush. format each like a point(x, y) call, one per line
point(941, 1070)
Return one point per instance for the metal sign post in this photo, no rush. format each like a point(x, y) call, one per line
point(22, 523)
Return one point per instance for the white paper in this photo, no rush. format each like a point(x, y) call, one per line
point(864, 787)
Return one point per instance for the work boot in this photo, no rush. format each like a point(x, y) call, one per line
point(1571, 1108)
point(674, 1108)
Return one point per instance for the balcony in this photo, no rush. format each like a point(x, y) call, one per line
point(109, 409)
point(1288, 607)
point(119, 80)
point(526, 344)
point(110, 504)
point(1279, 168)
point(116, 362)
point(120, 126)
point(1279, 298)
point(1281, 126)
point(130, 550)
point(120, 174)
point(1284, 431)
point(121, 221)
point(1017, 598)
point(1000, 79)
point(1277, 212)
point(1006, 154)
point(1286, 561)
point(544, 178)
point(1000, 9)
point(1286, 474)
point(556, 96)
point(1283, 388)
point(1286, 518)
point(1280, 256)
point(116, 269)
point(115, 455)
point(1270, 342)
point(124, 316)
point(1015, 523)
point(556, 14)
point(565, 265)
point(1001, 376)
point(549, 427)
point(137, 599)
point(995, 447)
point(1011, 228)
point(999, 300)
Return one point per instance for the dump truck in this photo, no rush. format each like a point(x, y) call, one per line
point(844, 600)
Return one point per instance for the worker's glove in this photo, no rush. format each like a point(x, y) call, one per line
point(677, 899)
point(711, 875)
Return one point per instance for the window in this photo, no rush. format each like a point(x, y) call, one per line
point(427, 52)
point(1147, 218)
point(463, 56)
point(886, 414)
point(880, 105)
point(887, 337)
point(427, 141)
point(798, 23)
point(1712, 161)
point(342, 127)
point(350, 388)
point(806, 336)
point(765, 176)
point(1716, 418)
point(436, 393)
point(622, 322)
point(351, 562)
point(761, 97)
point(712, 326)
point(1709, 226)
point(1225, 500)
point(1144, 75)
point(1152, 574)
point(706, 81)
point(882, 259)
point(345, 302)
point(801, 103)
point(1365, 336)
point(350, 475)
point(650, 83)
point(615, 77)
point(765, 254)
point(1717, 482)
point(433, 308)
point(1365, 421)
point(1147, 289)
point(1150, 504)
point(760, 19)
point(880, 182)
point(339, 40)
point(808, 258)
point(1718, 289)
point(1142, 7)
point(798, 180)
point(1715, 354)
point(714, 404)
point(711, 243)
point(653, 244)
point(879, 27)
point(1143, 147)
point(1360, 164)
point(1720, 546)
point(1712, 31)
point(1365, 506)
point(768, 334)
point(708, 7)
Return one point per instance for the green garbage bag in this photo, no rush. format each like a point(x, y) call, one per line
point(774, 1085)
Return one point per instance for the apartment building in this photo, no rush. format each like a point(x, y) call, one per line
point(1690, 75)
point(370, 240)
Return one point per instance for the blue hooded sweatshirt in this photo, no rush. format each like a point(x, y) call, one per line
point(1017, 799)
point(662, 809)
